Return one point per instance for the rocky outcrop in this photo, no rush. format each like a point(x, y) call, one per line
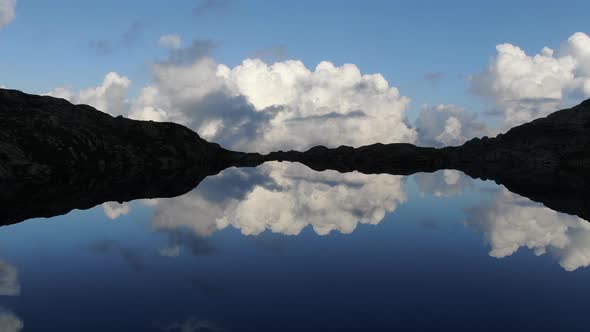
point(555, 145)
point(43, 137)
point(55, 157)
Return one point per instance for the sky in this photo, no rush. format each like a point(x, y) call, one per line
point(267, 75)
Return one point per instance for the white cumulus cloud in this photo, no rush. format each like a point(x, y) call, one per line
point(285, 105)
point(525, 87)
point(444, 125)
point(111, 96)
point(260, 106)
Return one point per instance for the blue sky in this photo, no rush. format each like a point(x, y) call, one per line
point(54, 43)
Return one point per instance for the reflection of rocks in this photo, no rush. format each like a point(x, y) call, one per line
point(445, 183)
point(289, 199)
point(512, 222)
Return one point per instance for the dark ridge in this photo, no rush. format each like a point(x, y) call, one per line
point(55, 157)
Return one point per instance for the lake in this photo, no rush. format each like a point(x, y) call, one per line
point(284, 248)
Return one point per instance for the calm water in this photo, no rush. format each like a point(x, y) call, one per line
point(281, 247)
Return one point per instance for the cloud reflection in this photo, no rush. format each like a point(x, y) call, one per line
point(511, 222)
point(284, 198)
point(133, 257)
point(114, 210)
point(445, 183)
point(9, 322)
point(193, 325)
point(9, 284)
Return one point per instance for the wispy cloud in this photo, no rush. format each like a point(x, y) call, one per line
point(199, 48)
point(126, 39)
point(130, 255)
point(433, 77)
point(170, 41)
point(272, 53)
point(206, 6)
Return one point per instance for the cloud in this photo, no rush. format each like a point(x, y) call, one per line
point(256, 106)
point(444, 125)
point(198, 49)
point(433, 77)
point(527, 87)
point(9, 284)
point(7, 12)
point(512, 222)
point(114, 210)
point(262, 107)
point(290, 199)
point(64, 93)
point(272, 54)
point(170, 41)
point(127, 38)
point(9, 322)
point(109, 97)
point(206, 6)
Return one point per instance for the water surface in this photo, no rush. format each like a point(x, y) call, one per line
point(282, 247)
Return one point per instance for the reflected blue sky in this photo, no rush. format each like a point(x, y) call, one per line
point(282, 247)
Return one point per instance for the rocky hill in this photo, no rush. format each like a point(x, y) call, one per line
point(55, 156)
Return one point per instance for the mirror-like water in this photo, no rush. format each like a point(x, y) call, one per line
point(282, 247)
